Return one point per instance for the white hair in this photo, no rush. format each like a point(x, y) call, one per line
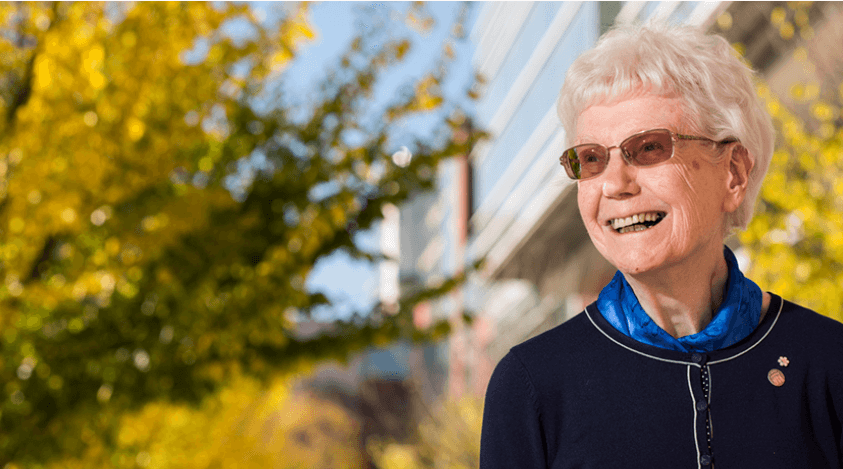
point(683, 62)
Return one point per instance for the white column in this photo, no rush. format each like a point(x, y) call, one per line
point(390, 247)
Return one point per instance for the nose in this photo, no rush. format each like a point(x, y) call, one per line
point(620, 178)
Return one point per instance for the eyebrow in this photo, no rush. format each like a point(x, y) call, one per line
point(591, 139)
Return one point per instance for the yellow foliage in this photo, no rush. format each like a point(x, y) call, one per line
point(786, 30)
point(244, 425)
point(427, 96)
point(449, 438)
point(795, 241)
point(823, 111)
point(778, 16)
point(296, 29)
point(140, 254)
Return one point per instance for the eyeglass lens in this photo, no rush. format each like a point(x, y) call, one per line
point(644, 149)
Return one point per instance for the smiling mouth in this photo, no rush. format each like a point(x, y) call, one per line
point(637, 222)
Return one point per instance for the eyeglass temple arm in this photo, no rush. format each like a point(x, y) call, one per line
point(694, 137)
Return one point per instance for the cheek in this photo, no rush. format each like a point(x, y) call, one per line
point(587, 200)
point(698, 196)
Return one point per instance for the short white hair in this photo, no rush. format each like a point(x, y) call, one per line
point(683, 62)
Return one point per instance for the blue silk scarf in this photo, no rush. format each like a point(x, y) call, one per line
point(733, 321)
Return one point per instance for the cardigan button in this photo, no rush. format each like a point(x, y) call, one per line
point(701, 405)
point(705, 459)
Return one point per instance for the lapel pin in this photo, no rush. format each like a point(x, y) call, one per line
point(783, 361)
point(776, 377)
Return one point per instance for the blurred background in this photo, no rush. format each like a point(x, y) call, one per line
point(298, 235)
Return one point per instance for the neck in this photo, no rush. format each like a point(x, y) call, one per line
point(682, 299)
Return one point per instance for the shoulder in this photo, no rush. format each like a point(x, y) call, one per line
point(527, 369)
point(567, 350)
point(802, 320)
point(575, 334)
point(816, 341)
point(809, 331)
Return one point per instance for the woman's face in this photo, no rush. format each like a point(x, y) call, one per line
point(688, 195)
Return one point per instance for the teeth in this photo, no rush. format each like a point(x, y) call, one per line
point(626, 224)
point(627, 229)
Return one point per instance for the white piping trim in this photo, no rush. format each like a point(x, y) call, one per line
point(636, 351)
point(694, 406)
point(708, 370)
point(708, 410)
point(778, 315)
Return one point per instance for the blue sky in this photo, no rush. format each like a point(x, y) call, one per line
point(352, 285)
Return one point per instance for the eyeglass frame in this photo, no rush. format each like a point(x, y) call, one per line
point(625, 156)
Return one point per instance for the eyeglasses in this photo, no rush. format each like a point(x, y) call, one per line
point(642, 149)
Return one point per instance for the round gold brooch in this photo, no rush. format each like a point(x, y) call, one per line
point(776, 377)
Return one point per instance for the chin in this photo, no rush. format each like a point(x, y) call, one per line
point(636, 266)
point(634, 262)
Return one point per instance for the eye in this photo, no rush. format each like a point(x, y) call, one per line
point(651, 146)
point(590, 156)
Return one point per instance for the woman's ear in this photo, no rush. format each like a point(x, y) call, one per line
point(740, 165)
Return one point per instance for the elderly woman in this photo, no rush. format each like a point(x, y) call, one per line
point(682, 361)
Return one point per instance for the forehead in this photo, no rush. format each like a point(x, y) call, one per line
point(611, 123)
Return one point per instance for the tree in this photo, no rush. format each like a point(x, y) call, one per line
point(796, 237)
point(246, 424)
point(159, 219)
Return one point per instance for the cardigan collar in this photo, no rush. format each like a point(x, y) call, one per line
point(764, 329)
point(733, 321)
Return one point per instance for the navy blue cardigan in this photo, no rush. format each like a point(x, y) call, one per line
point(584, 395)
